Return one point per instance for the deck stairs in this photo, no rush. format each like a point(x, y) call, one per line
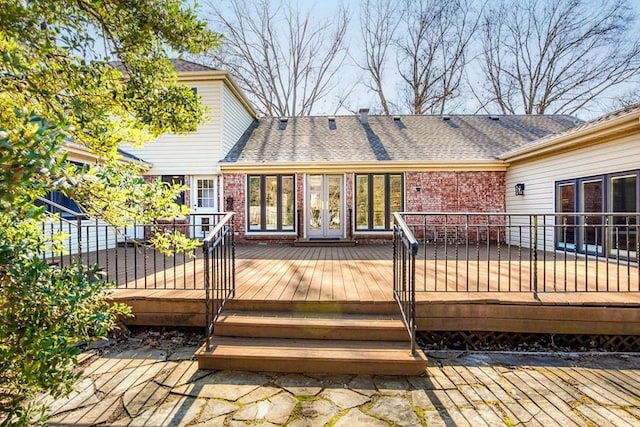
point(324, 243)
point(311, 339)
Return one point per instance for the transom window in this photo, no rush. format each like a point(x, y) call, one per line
point(271, 202)
point(377, 197)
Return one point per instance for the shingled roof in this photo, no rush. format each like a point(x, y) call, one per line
point(180, 66)
point(388, 138)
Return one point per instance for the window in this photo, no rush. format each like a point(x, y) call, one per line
point(271, 202)
point(566, 203)
point(591, 200)
point(62, 200)
point(615, 193)
point(377, 196)
point(175, 179)
point(624, 198)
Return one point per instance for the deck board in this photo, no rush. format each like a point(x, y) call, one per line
point(364, 273)
point(361, 276)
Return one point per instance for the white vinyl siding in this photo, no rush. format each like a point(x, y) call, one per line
point(235, 120)
point(540, 175)
point(191, 154)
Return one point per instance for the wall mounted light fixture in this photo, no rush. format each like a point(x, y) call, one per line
point(520, 189)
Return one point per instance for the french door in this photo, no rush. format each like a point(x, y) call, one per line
point(204, 202)
point(325, 216)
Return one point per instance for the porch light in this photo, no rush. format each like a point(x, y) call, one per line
point(520, 189)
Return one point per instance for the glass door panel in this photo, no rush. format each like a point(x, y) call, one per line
point(623, 232)
point(567, 203)
point(315, 205)
point(592, 201)
point(334, 188)
point(324, 206)
point(204, 203)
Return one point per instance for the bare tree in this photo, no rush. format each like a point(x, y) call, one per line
point(631, 98)
point(379, 21)
point(284, 59)
point(429, 39)
point(556, 56)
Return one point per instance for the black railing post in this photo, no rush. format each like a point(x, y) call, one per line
point(207, 296)
point(219, 271)
point(404, 281)
point(535, 255)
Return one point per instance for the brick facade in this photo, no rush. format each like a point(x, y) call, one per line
point(440, 191)
point(455, 191)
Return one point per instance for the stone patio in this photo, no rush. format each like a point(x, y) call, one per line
point(159, 385)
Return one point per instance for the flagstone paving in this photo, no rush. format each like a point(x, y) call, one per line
point(163, 387)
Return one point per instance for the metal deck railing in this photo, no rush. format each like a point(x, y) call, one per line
point(219, 271)
point(505, 252)
point(123, 254)
point(508, 252)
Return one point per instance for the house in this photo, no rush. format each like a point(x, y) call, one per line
point(340, 179)
point(588, 169)
point(343, 177)
point(192, 160)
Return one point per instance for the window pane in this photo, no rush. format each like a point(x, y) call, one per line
point(206, 197)
point(254, 203)
point(271, 203)
point(335, 201)
point(378, 202)
point(566, 203)
point(395, 196)
point(362, 201)
point(624, 193)
point(175, 179)
point(592, 202)
point(287, 203)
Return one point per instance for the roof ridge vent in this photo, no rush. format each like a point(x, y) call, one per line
point(283, 123)
point(332, 122)
point(446, 117)
point(398, 122)
point(364, 116)
point(492, 117)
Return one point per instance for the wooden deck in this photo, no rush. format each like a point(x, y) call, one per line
point(355, 279)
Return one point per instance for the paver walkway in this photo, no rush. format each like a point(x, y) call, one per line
point(156, 386)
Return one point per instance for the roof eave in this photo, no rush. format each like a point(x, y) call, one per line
point(371, 166)
point(597, 133)
point(80, 153)
point(215, 75)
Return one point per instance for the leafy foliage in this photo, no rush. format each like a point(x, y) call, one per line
point(60, 89)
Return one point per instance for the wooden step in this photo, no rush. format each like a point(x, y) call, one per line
point(336, 307)
point(328, 326)
point(325, 243)
point(311, 356)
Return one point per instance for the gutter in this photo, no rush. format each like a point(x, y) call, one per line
point(591, 133)
point(373, 166)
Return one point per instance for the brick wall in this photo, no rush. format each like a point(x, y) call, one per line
point(438, 192)
point(234, 184)
point(444, 191)
point(455, 191)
